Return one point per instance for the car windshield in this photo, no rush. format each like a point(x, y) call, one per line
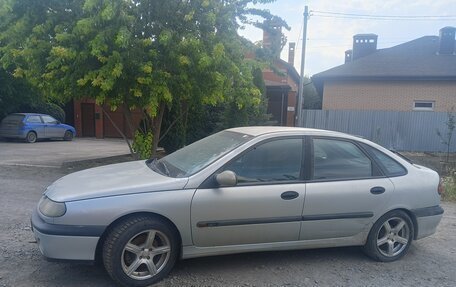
point(193, 158)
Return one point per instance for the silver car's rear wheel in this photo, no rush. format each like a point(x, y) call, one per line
point(140, 250)
point(390, 237)
point(393, 237)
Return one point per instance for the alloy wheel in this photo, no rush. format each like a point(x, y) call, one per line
point(146, 254)
point(393, 237)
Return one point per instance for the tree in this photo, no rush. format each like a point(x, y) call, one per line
point(15, 94)
point(154, 55)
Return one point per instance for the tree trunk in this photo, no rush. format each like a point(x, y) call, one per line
point(129, 119)
point(120, 132)
point(156, 123)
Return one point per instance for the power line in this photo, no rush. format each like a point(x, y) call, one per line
point(385, 16)
point(383, 19)
point(337, 15)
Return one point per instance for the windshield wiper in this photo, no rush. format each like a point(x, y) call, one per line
point(162, 162)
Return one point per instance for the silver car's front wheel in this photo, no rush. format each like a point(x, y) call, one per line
point(390, 237)
point(146, 254)
point(140, 251)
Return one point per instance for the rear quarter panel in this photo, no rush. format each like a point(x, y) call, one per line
point(417, 189)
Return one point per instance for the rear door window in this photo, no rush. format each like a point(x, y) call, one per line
point(34, 119)
point(338, 159)
point(389, 165)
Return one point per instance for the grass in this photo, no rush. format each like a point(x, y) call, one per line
point(450, 188)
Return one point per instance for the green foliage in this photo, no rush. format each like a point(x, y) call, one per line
point(15, 94)
point(146, 54)
point(142, 144)
point(451, 125)
point(45, 108)
point(450, 186)
point(312, 101)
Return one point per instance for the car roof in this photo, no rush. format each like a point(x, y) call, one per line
point(29, 114)
point(262, 130)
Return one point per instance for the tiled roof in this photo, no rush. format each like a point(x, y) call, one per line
point(418, 58)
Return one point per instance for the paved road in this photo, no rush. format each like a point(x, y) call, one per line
point(54, 153)
point(430, 262)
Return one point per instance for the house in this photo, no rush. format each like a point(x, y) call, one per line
point(282, 89)
point(419, 75)
point(281, 80)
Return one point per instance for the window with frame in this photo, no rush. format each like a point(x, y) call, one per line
point(34, 119)
point(338, 159)
point(423, 105)
point(273, 161)
point(390, 166)
point(49, 120)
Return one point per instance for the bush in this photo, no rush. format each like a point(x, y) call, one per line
point(142, 144)
point(450, 186)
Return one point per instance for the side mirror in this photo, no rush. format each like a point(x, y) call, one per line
point(226, 178)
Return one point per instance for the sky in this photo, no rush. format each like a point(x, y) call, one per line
point(329, 37)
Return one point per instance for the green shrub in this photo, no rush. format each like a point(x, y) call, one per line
point(450, 186)
point(142, 144)
point(45, 108)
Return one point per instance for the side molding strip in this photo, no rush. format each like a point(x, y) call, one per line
point(233, 222)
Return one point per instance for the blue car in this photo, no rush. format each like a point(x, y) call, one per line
point(31, 127)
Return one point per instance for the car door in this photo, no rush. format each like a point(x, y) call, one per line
point(264, 206)
point(34, 123)
point(345, 192)
point(52, 128)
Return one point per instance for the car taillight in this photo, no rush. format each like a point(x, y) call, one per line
point(441, 188)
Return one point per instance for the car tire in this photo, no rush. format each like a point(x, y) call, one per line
point(390, 237)
point(140, 251)
point(68, 136)
point(31, 137)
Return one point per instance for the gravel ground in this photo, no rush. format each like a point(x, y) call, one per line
point(430, 262)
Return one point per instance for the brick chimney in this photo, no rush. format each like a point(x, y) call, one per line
point(447, 41)
point(363, 45)
point(291, 53)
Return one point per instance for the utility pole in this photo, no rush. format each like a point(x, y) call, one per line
point(303, 61)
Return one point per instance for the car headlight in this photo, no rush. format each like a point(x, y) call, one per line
point(51, 208)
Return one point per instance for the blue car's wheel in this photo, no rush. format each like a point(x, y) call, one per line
point(68, 136)
point(31, 137)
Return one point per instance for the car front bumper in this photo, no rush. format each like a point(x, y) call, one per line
point(71, 244)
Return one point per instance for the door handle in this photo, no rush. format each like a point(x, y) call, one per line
point(287, 195)
point(377, 190)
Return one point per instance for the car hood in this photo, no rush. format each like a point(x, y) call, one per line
point(111, 180)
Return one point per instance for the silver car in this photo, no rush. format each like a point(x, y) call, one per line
point(240, 190)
